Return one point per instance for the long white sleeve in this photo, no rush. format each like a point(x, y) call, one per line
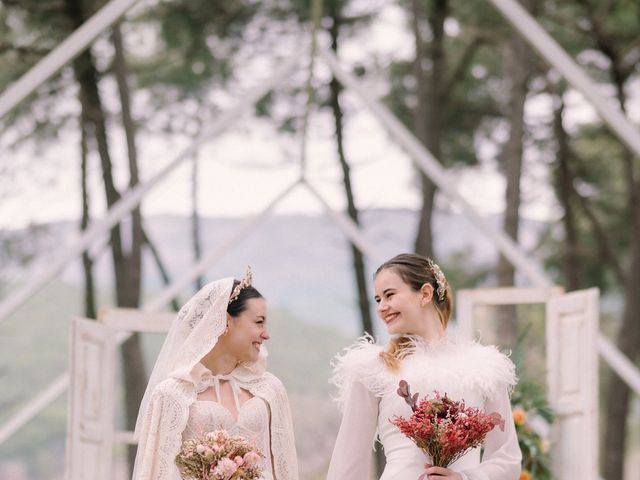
point(352, 453)
point(502, 457)
point(160, 436)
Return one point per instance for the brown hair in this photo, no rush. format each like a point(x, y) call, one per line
point(239, 305)
point(415, 270)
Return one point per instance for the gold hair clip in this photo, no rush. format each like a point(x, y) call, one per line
point(244, 283)
point(440, 279)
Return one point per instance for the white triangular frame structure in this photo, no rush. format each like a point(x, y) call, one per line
point(115, 9)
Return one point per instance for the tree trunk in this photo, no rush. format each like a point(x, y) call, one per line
point(127, 277)
point(568, 196)
point(565, 189)
point(619, 394)
point(429, 110)
point(518, 70)
point(175, 303)
point(424, 238)
point(87, 263)
point(128, 288)
point(130, 291)
point(87, 78)
point(628, 341)
point(195, 219)
point(358, 259)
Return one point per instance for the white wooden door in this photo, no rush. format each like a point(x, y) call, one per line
point(90, 412)
point(572, 362)
point(572, 368)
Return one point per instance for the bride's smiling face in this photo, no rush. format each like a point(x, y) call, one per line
point(398, 304)
point(247, 331)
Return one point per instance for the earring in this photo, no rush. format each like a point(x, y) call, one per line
point(226, 330)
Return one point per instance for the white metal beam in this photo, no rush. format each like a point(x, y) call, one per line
point(620, 363)
point(34, 406)
point(201, 266)
point(348, 227)
point(71, 47)
point(133, 197)
point(539, 39)
point(56, 388)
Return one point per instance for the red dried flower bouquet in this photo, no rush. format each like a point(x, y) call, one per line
point(443, 428)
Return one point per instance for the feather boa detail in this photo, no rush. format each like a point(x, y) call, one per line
point(454, 365)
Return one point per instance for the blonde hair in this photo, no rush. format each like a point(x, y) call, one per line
point(415, 270)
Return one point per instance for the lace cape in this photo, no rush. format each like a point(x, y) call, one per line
point(167, 416)
point(171, 390)
point(452, 363)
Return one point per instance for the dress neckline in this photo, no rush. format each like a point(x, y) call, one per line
point(226, 409)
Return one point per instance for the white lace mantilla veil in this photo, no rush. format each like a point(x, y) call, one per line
point(164, 410)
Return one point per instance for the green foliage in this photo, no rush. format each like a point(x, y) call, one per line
point(535, 451)
point(605, 35)
point(194, 45)
point(468, 81)
point(28, 31)
point(599, 177)
point(351, 22)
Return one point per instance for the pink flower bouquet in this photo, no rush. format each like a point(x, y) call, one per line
point(443, 428)
point(219, 456)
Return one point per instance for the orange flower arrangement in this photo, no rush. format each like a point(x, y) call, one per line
point(519, 416)
point(525, 475)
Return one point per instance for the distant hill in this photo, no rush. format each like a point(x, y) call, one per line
point(301, 263)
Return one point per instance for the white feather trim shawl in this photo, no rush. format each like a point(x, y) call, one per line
point(460, 367)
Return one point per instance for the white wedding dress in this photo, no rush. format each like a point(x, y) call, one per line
point(171, 410)
point(464, 370)
point(252, 424)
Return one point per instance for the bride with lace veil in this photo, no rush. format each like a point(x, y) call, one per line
point(211, 374)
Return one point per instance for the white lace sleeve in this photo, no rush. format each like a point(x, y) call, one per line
point(352, 453)
point(284, 454)
point(502, 456)
point(283, 447)
point(160, 434)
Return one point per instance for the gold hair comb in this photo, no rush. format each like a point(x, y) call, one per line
point(244, 283)
point(440, 279)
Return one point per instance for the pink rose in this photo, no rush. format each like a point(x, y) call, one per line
point(218, 436)
point(225, 468)
point(251, 459)
point(239, 460)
